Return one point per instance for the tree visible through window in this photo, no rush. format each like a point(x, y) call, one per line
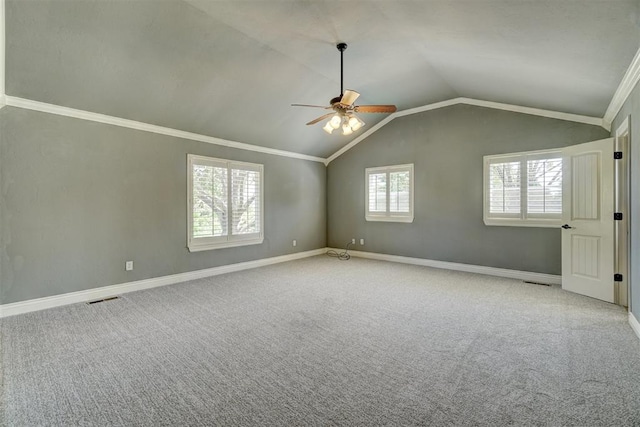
point(544, 186)
point(225, 203)
point(523, 187)
point(389, 193)
point(505, 188)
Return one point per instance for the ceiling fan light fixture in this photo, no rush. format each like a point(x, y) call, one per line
point(344, 107)
point(355, 123)
point(335, 121)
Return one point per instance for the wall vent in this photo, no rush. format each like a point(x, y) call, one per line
point(536, 283)
point(102, 300)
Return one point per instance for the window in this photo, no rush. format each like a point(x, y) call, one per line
point(225, 204)
point(389, 193)
point(523, 189)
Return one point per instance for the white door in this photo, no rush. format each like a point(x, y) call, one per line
point(587, 213)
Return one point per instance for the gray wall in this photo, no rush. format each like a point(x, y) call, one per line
point(80, 198)
point(447, 147)
point(631, 109)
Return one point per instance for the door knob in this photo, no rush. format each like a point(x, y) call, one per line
point(567, 226)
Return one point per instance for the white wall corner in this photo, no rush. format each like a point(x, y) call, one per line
point(635, 325)
point(360, 138)
point(629, 81)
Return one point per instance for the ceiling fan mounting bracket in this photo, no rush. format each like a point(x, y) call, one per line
point(341, 47)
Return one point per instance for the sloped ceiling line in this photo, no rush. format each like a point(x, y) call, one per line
point(596, 121)
point(630, 79)
point(132, 124)
point(203, 6)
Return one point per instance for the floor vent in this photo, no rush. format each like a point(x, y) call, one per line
point(536, 283)
point(102, 300)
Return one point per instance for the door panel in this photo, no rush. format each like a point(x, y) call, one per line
point(587, 236)
point(585, 251)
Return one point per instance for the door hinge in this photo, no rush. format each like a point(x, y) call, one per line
point(617, 216)
point(617, 155)
point(617, 277)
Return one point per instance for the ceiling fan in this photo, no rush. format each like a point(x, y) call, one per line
point(344, 110)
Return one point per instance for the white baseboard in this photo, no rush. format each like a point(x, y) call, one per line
point(635, 325)
point(112, 290)
point(480, 269)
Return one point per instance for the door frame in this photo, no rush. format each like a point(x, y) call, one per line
point(621, 234)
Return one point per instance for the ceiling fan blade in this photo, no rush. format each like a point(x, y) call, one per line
point(307, 105)
point(349, 97)
point(375, 109)
point(319, 119)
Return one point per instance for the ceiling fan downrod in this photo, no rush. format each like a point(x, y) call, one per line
point(341, 47)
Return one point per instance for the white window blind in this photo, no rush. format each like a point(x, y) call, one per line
point(544, 186)
point(504, 187)
point(210, 206)
point(399, 191)
point(389, 193)
point(246, 201)
point(378, 192)
point(523, 189)
point(225, 203)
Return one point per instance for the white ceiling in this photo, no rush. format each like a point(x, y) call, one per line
point(231, 69)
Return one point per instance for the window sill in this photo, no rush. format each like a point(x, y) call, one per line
point(389, 218)
point(195, 247)
point(504, 222)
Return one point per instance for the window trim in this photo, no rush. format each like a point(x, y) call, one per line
point(196, 244)
point(523, 219)
point(388, 216)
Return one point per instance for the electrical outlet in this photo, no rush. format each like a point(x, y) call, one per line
point(128, 266)
point(361, 242)
point(295, 243)
point(353, 241)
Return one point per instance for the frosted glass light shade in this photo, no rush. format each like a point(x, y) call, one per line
point(335, 121)
point(355, 123)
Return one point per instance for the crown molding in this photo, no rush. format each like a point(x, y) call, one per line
point(596, 121)
point(589, 120)
point(629, 81)
point(132, 124)
point(146, 127)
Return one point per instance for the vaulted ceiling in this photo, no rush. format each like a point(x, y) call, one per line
point(231, 69)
